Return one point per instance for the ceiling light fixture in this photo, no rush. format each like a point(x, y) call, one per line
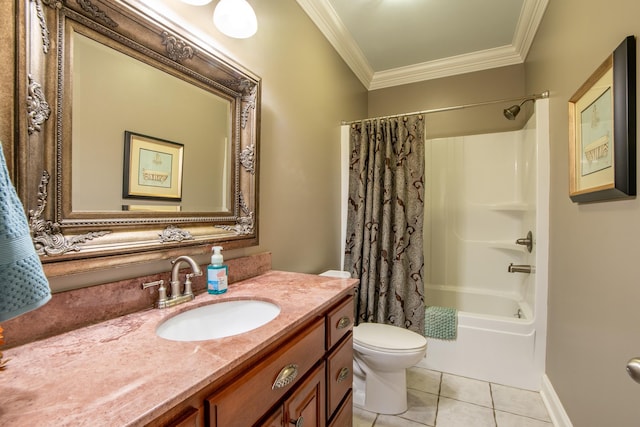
point(235, 18)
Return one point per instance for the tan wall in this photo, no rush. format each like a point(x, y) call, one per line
point(594, 319)
point(490, 85)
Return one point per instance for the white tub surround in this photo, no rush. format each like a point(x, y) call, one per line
point(487, 192)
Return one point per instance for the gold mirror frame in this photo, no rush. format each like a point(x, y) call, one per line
point(71, 242)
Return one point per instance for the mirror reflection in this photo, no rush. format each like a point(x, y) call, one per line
point(116, 96)
point(137, 141)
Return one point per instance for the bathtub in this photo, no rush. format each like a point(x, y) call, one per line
point(492, 343)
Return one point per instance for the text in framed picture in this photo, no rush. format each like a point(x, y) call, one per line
point(602, 130)
point(152, 168)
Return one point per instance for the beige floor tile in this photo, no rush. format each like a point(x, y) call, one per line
point(519, 402)
point(362, 418)
point(424, 380)
point(505, 419)
point(466, 390)
point(454, 413)
point(392, 421)
point(444, 400)
point(421, 407)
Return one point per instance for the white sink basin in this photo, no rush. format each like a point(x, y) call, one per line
point(218, 320)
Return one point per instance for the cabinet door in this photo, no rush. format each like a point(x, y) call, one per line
point(306, 406)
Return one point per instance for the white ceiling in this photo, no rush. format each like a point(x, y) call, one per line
point(393, 42)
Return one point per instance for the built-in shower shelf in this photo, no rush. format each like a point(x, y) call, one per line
point(509, 207)
point(509, 245)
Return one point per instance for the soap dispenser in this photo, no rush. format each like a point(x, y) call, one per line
point(217, 273)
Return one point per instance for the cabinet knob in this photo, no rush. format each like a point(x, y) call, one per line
point(633, 369)
point(286, 376)
point(343, 374)
point(299, 422)
point(343, 322)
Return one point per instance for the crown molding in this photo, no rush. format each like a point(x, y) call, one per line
point(460, 64)
point(327, 20)
point(528, 23)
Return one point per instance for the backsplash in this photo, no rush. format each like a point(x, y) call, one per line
point(82, 307)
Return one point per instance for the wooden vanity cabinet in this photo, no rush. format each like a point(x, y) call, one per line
point(308, 376)
point(246, 400)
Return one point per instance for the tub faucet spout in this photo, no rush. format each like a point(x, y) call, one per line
point(515, 268)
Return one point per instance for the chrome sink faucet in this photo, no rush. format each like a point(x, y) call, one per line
point(176, 297)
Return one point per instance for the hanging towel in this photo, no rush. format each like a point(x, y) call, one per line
point(441, 322)
point(23, 285)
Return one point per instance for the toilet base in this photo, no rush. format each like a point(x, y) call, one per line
point(381, 392)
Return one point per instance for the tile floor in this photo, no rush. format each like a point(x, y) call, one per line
point(443, 400)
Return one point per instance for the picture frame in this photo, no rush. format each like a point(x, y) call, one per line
point(152, 168)
point(602, 130)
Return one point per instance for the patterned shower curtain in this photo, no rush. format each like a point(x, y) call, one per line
point(384, 223)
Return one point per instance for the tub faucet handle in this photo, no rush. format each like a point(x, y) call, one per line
point(526, 241)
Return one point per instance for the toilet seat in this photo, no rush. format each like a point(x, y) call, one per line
point(387, 338)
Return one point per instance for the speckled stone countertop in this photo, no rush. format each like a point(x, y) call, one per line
point(119, 373)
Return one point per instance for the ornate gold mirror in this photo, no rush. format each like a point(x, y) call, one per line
point(135, 142)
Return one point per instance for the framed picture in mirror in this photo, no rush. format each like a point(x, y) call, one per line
point(152, 168)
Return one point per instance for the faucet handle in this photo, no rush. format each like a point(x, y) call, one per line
point(187, 283)
point(162, 290)
point(150, 284)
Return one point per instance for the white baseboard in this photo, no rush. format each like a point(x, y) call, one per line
point(559, 417)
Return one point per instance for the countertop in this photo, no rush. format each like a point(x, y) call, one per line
point(119, 373)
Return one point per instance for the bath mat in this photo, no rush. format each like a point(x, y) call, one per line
point(441, 323)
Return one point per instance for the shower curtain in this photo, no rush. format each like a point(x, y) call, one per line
point(384, 221)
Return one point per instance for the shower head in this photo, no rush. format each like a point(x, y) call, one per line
point(512, 112)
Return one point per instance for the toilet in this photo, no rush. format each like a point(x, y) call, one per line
point(381, 355)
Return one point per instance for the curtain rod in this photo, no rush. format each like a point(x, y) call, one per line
point(535, 96)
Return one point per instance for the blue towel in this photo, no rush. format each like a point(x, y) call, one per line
point(441, 323)
point(23, 285)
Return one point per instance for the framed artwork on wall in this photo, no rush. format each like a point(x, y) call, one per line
point(152, 168)
point(602, 130)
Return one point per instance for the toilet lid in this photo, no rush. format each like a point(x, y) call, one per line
point(387, 337)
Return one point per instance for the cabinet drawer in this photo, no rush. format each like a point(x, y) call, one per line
point(188, 418)
point(246, 400)
point(339, 322)
point(339, 374)
point(344, 416)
